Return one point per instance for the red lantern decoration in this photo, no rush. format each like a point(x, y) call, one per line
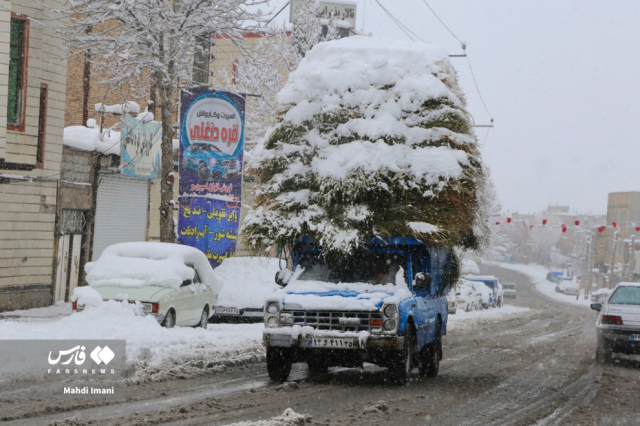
point(508, 220)
point(614, 224)
point(497, 223)
point(577, 223)
point(637, 228)
point(601, 229)
point(544, 221)
point(564, 228)
point(530, 226)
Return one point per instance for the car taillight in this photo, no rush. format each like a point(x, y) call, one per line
point(611, 320)
point(154, 308)
point(74, 305)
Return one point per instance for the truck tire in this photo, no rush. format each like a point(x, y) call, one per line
point(278, 363)
point(401, 363)
point(431, 355)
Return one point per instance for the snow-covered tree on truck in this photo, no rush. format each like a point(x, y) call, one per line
point(372, 173)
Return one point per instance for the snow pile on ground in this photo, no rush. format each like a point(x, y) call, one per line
point(59, 309)
point(462, 320)
point(538, 275)
point(157, 353)
point(144, 263)
point(287, 418)
point(90, 139)
point(247, 281)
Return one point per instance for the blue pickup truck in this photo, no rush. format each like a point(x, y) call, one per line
point(386, 305)
point(495, 296)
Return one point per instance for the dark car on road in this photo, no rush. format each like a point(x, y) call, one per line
point(618, 324)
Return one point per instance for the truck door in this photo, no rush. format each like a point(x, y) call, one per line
point(425, 308)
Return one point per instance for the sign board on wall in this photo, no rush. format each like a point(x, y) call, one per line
point(342, 10)
point(211, 158)
point(141, 148)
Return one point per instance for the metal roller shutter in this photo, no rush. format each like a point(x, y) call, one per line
point(121, 212)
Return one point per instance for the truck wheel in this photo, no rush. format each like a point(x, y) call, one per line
point(500, 302)
point(401, 363)
point(278, 363)
point(431, 355)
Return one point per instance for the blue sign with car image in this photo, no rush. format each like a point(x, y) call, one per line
point(211, 158)
point(211, 144)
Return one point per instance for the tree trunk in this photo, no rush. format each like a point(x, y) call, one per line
point(167, 233)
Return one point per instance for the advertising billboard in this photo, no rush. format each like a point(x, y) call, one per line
point(141, 148)
point(211, 159)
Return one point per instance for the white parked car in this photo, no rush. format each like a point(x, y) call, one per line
point(173, 283)
point(467, 298)
point(484, 293)
point(570, 287)
point(452, 302)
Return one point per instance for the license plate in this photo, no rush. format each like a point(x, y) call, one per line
point(227, 311)
point(635, 337)
point(332, 342)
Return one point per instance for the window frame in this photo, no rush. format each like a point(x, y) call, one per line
point(19, 127)
point(42, 124)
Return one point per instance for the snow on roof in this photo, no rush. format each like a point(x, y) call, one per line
point(89, 139)
point(628, 285)
point(145, 263)
point(120, 109)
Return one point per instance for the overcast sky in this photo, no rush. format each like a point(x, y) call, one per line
point(560, 79)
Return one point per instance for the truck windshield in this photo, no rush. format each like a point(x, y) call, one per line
point(370, 267)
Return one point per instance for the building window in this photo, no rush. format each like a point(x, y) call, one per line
point(42, 124)
point(623, 217)
point(18, 45)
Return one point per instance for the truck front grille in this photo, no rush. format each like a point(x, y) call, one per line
point(338, 321)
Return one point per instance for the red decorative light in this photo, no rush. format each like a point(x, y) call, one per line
point(544, 221)
point(508, 220)
point(601, 229)
point(577, 223)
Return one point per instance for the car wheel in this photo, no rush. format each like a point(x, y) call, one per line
point(603, 353)
point(169, 320)
point(431, 355)
point(278, 363)
point(401, 362)
point(203, 173)
point(500, 302)
point(204, 318)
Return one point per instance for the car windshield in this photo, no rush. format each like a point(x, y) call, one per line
point(509, 286)
point(371, 267)
point(625, 296)
point(209, 148)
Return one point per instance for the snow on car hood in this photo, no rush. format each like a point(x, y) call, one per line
point(341, 296)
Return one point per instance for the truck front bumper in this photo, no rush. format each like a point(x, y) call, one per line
point(275, 338)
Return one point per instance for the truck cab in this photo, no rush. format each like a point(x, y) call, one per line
point(385, 305)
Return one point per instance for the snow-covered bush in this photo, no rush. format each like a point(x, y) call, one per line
point(373, 139)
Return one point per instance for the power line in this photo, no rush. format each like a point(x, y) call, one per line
point(395, 21)
point(444, 25)
point(478, 89)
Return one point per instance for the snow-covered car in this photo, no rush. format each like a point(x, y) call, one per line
point(492, 284)
point(466, 297)
point(452, 302)
point(484, 293)
point(247, 283)
point(570, 287)
point(618, 325)
point(509, 290)
point(600, 295)
point(171, 282)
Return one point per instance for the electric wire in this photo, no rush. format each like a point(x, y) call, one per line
point(395, 21)
point(443, 24)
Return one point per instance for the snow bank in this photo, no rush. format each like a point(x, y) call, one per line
point(469, 267)
point(248, 281)
point(287, 418)
point(538, 275)
point(125, 107)
point(147, 341)
point(143, 263)
point(90, 139)
point(86, 296)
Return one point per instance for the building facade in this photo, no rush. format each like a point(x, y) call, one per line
point(32, 103)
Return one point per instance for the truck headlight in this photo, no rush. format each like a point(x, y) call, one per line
point(273, 308)
point(273, 322)
point(389, 325)
point(390, 311)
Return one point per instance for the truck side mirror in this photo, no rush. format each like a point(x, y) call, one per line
point(422, 281)
point(283, 276)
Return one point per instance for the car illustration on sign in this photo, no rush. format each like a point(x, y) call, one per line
point(210, 162)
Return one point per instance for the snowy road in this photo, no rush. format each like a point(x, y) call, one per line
point(532, 367)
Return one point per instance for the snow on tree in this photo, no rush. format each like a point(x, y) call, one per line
point(263, 70)
point(145, 43)
point(373, 140)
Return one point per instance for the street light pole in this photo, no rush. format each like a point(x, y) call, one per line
point(613, 258)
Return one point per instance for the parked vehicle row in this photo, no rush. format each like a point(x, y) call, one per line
point(479, 292)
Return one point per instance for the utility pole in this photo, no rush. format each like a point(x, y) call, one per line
point(632, 258)
point(613, 258)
